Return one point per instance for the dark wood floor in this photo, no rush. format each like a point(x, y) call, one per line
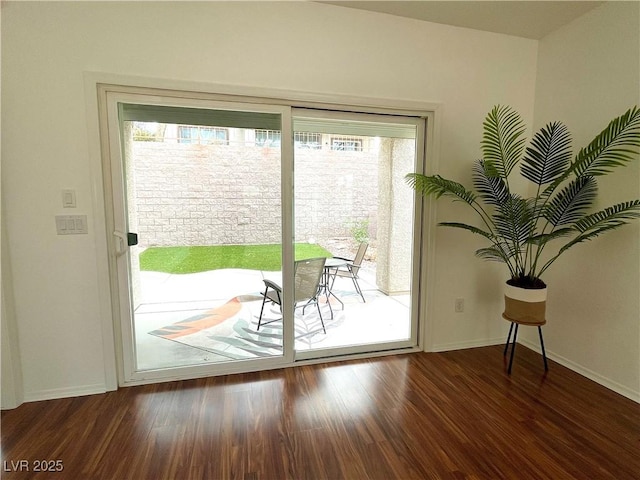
point(430, 415)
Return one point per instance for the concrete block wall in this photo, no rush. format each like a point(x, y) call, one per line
point(333, 191)
point(190, 194)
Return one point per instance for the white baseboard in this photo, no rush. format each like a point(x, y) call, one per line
point(55, 393)
point(606, 382)
point(590, 374)
point(585, 372)
point(445, 347)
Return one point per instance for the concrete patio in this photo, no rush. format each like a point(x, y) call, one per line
point(168, 298)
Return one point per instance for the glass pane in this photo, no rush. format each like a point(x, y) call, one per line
point(351, 200)
point(205, 201)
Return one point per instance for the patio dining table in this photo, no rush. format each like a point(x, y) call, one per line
point(331, 266)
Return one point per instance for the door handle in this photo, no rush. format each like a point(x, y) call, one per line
point(121, 243)
point(124, 242)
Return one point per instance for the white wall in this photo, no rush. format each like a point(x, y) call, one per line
point(589, 73)
point(300, 46)
point(11, 373)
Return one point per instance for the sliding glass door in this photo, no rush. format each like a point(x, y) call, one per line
point(351, 199)
point(250, 235)
point(198, 228)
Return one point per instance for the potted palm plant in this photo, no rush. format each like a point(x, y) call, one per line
point(529, 234)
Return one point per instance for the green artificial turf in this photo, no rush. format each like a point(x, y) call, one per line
point(200, 259)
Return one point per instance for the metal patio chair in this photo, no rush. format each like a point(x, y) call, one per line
point(307, 276)
point(351, 269)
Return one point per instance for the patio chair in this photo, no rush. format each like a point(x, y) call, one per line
point(307, 276)
point(350, 270)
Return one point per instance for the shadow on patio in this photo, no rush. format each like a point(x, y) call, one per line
point(208, 317)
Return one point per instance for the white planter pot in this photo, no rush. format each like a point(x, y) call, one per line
point(525, 306)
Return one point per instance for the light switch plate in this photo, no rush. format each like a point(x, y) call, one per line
point(71, 224)
point(69, 198)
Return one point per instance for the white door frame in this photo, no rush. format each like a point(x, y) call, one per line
point(96, 87)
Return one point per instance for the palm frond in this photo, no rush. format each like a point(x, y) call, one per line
point(614, 216)
point(502, 143)
point(470, 228)
point(572, 202)
point(544, 238)
point(596, 224)
point(548, 155)
point(493, 190)
point(493, 254)
point(587, 235)
point(438, 186)
point(514, 220)
point(615, 146)
point(583, 238)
